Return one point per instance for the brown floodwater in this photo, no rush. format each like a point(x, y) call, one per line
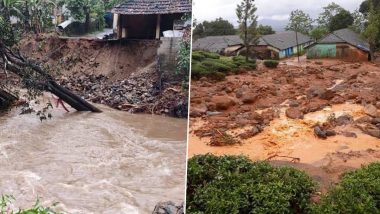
point(112, 162)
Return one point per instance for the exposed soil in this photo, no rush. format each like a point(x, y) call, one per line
point(320, 115)
point(122, 75)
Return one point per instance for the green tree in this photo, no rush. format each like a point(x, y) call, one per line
point(300, 22)
point(38, 14)
point(85, 10)
point(372, 31)
point(319, 32)
point(359, 23)
point(328, 13)
point(341, 20)
point(364, 7)
point(265, 30)
point(218, 27)
point(247, 19)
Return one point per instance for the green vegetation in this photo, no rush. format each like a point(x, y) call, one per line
point(271, 63)
point(358, 192)
point(183, 57)
point(300, 21)
point(234, 184)
point(247, 19)
point(214, 66)
point(218, 27)
point(6, 204)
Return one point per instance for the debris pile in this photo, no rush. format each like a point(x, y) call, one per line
point(168, 208)
point(137, 94)
point(243, 105)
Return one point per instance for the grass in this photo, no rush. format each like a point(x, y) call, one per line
point(6, 204)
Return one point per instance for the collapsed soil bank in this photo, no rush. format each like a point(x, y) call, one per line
point(273, 113)
point(121, 74)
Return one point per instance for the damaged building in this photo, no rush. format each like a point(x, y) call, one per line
point(341, 44)
point(150, 19)
point(275, 46)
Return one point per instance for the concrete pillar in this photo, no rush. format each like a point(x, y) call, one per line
point(158, 26)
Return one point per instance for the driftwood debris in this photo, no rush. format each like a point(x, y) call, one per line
point(19, 65)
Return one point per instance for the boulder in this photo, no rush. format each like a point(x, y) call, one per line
point(294, 113)
point(249, 98)
point(222, 102)
point(371, 110)
point(168, 208)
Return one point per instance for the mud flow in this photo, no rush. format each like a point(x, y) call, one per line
point(112, 162)
point(320, 116)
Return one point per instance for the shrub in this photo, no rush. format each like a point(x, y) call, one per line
point(271, 63)
point(198, 56)
point(358, 192)
point(210, 55)
point(234, 184)
point(216, 65)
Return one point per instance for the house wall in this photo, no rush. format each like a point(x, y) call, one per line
point(168, 52)
point(339, 51)
point(137, 26)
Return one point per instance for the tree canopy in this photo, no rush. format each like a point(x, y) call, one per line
point(247, 19)
point(328, 13)
point(265, 30)
point(300, 21)
point(217, 27)
point(343, 19)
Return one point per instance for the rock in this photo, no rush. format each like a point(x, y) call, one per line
point(168, 208)
point(375, 121)
point(198, 111)
point(371, 110)
point(315, 91)
point(378, 105)
point(249, 98)
point(349, 134)
point(223, 102)
point(294, 103)
point(327, 95)
point(294, 113)
point(372, 131)
point(344, 120)
point(319, 132)
point(330, 133)
point(364, 119)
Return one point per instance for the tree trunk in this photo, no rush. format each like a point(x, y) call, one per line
point(87, 21)
point(18, 65)
point(372, 52)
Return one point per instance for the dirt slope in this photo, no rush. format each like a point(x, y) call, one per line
point(122, 75)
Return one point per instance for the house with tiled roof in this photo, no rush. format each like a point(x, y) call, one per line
point(149, 19)
point(279, 45)
point(341, 44)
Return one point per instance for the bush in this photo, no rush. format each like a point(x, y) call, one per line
point(198, 56)
point(234, 184)
point(271, 63)
point(358, 192)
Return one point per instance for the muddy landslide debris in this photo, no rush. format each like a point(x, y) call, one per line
point(245, 104)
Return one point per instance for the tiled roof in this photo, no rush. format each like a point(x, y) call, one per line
point(345, 36)
point(286, 39)
point(138, 7)
point(281, 41)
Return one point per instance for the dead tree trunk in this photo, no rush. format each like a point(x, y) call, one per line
point(6, 99)
point(18, 65)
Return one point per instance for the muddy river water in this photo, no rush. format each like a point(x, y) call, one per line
point(112, 162)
